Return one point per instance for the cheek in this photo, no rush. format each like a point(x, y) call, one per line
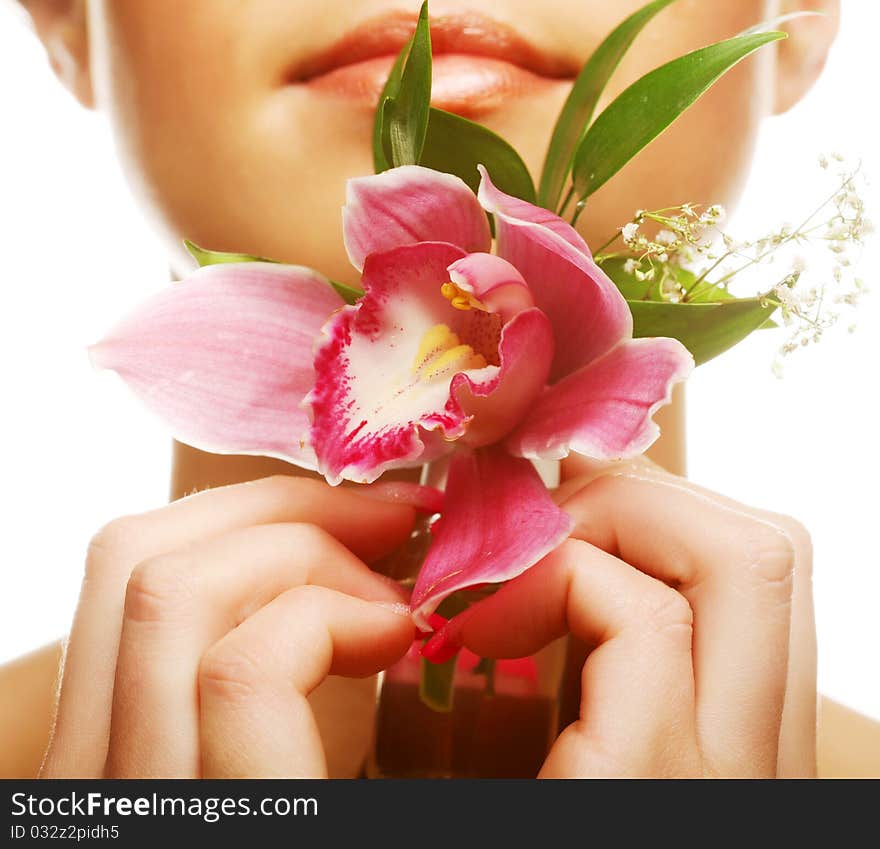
point(213, 144)
point(704, 158)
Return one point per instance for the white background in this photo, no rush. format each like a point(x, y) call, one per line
point(77, 450)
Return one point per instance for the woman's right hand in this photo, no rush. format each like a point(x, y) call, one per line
point(202, 628)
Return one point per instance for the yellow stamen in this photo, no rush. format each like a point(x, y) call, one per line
point(460, 299)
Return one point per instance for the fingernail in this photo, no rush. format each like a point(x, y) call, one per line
point(425, 499)
point(442, 647)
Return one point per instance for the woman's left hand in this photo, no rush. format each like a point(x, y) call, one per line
point(698, 614)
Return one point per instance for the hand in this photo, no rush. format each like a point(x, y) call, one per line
point(698, 615)
point(202, 628)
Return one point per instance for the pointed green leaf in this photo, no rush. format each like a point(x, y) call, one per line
point(651, 104)
point(389, 92)
point(349, 294)
point(581, 103)
point(205, 257)
point(456, 146)
point(706, 330)
point(704, 292)
point(407, 113)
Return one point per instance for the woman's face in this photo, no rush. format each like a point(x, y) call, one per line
point(239, 126)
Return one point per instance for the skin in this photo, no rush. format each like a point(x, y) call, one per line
point(180, 662)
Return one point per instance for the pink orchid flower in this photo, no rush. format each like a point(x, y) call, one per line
point(495, 359)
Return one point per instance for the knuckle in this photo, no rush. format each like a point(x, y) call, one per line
point(603, 485)
point(800, 538)
point(229, 671)
point(159, 588)
point(112, 547)
point(305, 536)
point(769, 554)
point(666, 610)
point(308, 602)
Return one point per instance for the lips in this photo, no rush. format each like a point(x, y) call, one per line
point(478, 63)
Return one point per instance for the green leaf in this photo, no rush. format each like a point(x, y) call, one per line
point(389, 92)
point(436, 688)
point(456, 146)
point(348, 293)
point(205, 257)
point(651, 104)
point(705, 292)
point(581, 103)
point(706, 330)
point(407, 112)
point(709, 324)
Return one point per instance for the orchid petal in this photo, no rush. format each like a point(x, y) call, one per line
point(500, 203)
point(501, 400)
point(225, 357)
point(411, 204)
point(604, 411)
point(382, 392)
point(494, 282)
point(498, 520)
point(588, 313)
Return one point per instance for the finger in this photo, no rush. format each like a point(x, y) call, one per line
point(637, 705)
point(797, 739)
point(79, 743)
point(253, 684)
point(178, 605)
point(736, 571)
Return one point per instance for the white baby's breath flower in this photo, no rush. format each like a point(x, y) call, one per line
point(839, 231)
point(787, 296)
point(629, 232)
point(814, 287)
point(715, 214)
